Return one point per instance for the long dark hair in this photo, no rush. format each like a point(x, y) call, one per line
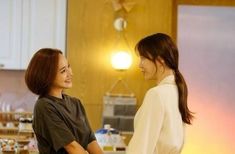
point(41, 71)
point(161, 45)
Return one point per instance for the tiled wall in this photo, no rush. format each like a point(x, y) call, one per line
point(14, 94)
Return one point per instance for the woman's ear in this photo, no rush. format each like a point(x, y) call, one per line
point(160, 60)
point(160, 64)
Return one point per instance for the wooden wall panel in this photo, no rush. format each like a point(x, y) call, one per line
point(91, 37)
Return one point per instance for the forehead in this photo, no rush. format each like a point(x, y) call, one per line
point(62, 61)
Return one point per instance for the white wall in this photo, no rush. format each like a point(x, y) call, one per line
point(206, 41)
point(14, 93)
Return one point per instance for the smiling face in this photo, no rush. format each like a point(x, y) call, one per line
point(156, 70)
point(148, 68)
point(158, 56)
point(63, 79)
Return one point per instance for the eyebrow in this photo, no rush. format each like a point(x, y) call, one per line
point(62, 68)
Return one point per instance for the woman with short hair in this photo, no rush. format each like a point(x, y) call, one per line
point(59, 120)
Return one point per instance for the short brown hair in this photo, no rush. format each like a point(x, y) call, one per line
point(41, 70)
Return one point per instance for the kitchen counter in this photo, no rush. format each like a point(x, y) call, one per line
point(114, 152)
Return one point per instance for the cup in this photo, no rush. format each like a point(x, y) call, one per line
point(10, 125)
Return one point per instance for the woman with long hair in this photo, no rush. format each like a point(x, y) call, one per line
point(159, 123)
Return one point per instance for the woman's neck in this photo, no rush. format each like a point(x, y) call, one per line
point(166, 73)
point(56, 93)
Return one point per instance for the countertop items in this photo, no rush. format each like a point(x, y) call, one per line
point(114, 152)
point(8, 146)
point(15, 132)
point(25, 124)
point(110, 139)
point(13, 123)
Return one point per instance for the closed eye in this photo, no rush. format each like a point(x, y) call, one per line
point(63, 71)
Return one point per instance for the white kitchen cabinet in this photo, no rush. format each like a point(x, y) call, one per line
point(28, 25)
point(10, 31)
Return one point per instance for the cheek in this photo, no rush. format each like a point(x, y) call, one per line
point(151, 67)
point(59, 78)
point(153, 70)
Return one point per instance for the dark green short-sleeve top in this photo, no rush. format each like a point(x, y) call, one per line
point(57, 122)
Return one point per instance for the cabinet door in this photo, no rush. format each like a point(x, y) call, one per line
point(10, 33)
point(43, 25)
point(28, 25)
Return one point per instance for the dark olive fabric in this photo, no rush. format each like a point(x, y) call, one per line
point(57, 122)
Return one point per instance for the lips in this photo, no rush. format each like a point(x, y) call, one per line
point(68, 80)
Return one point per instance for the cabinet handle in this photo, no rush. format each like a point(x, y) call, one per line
point(1, 65)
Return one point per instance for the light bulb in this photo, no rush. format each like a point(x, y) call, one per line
point(121, 60)
point(120, 24)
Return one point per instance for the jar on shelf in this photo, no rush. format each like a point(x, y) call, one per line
point(25, 124)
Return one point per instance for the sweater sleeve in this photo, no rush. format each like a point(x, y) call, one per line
point(148, 124)
point(89, 130)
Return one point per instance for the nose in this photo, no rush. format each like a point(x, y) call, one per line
point(140, 64)
point(70, 72)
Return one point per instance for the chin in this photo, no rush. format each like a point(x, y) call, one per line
point(149, 78)
point(146, 77)
point(68, 86)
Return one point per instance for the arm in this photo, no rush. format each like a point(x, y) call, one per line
point(94, 148)
point(148, 123)
point(74, 148)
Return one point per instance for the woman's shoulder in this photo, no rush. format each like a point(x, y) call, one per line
point(154, 90)
point(161, 89)
point(43, 102)
point(152, 94)
point(157, 91)
point(153, 98)
point(71, 98)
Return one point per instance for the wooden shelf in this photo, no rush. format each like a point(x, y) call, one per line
point(8, 128)
point(14, 117)
point(14, 136)
point(11, 131)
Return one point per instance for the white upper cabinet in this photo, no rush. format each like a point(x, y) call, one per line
point(28, 25)
point(10, 33)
